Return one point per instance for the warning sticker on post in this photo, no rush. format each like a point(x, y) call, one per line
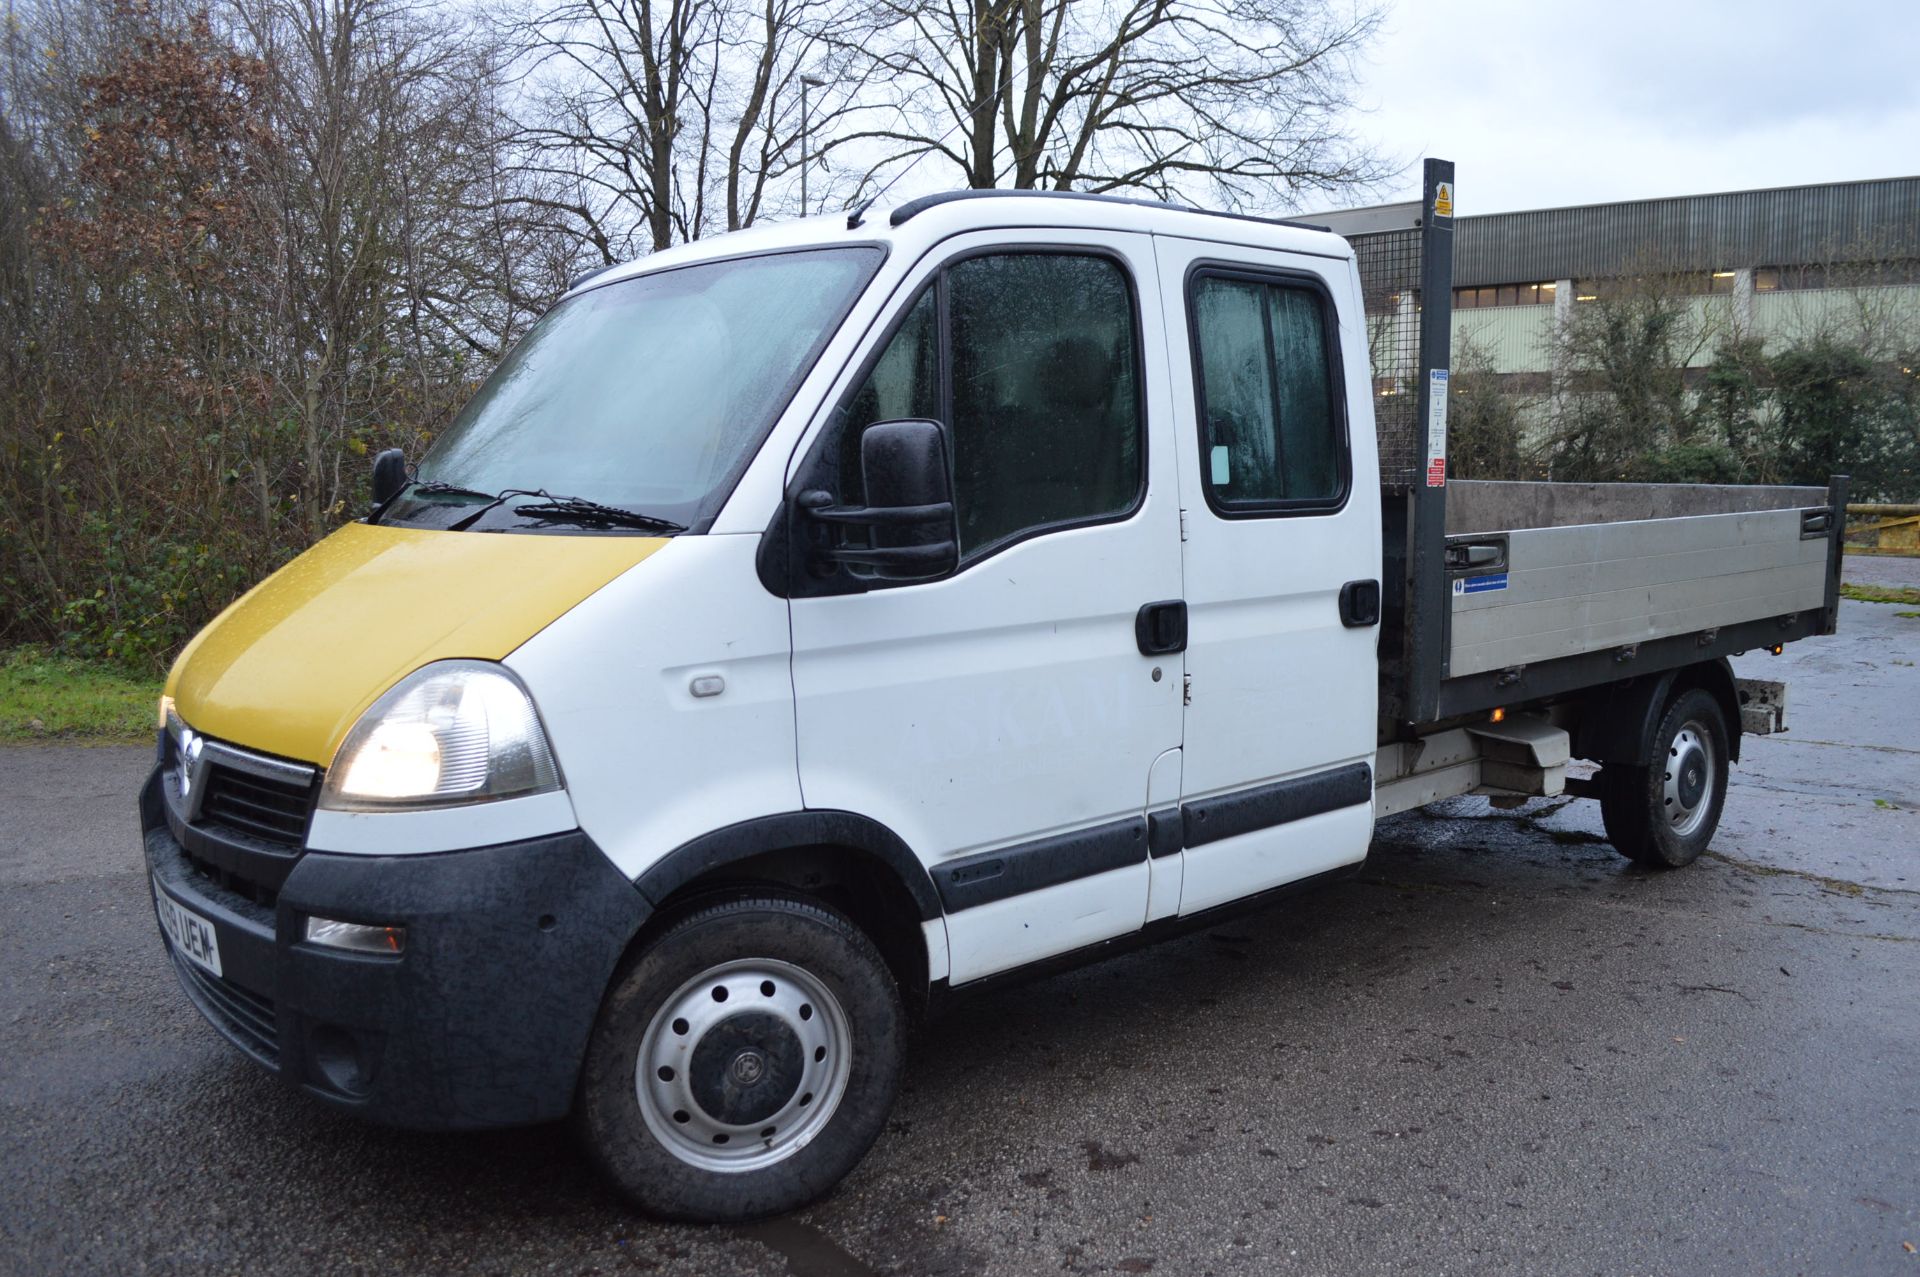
point(1436, 427)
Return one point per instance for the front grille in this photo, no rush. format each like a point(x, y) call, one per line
point(248, 1019)
point(270, 810)
point(241, 817)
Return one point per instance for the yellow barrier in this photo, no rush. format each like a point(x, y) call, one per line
point(1893, 529)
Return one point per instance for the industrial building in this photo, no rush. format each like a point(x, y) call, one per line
point(1774, 264)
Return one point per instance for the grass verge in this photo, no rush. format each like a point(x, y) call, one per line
point(51, 698)
point(1906, 594)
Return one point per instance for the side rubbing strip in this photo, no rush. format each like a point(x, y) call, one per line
point(1163, 832)
point(1212, 819)
point(1045, 862)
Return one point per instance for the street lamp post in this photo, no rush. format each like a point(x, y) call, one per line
point(806, 132)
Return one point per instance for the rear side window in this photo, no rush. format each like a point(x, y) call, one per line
point(1272, 424)
point(1030, 361)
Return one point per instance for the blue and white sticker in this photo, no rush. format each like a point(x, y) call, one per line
point(1480, 584)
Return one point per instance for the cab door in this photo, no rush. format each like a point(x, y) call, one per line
point(1004, 720)
point(1281, 566)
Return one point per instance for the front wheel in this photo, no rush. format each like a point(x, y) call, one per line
point(1664, 814)
point(743, 1063)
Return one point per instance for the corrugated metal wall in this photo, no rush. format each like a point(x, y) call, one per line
point(1788, 226)
point(1512, 338)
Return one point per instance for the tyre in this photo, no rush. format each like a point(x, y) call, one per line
point(1622, 810)
point(743, 1062)
point(1664, 814)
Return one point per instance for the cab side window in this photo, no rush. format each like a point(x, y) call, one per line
point(1030, 361)
point(1272, 430)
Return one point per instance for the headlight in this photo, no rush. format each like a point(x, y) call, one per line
point(452, 732)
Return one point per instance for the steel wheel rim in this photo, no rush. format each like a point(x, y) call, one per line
point(696, 1075)
point(1688, 779)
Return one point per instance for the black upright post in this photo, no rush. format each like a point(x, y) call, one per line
point(1429, 608)
point(1836, 550)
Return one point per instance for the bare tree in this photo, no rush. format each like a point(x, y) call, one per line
point(381, 183)
point(238, 249)
point(1236, 101)
point(244, 243)
point(652, 123)
point(778, 43)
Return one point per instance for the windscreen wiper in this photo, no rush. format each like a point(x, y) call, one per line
point(435, 488)
point(431, 488)
point(466, 521)
point(581, 510)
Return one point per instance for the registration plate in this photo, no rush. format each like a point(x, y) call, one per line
point(191, 934)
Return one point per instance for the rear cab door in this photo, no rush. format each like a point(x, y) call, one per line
point(1281, 558)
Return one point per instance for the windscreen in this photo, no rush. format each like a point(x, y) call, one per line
point(650, 394)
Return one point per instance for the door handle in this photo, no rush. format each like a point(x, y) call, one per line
point(1466, 556)
point(1360, 604)
point(1161, 628)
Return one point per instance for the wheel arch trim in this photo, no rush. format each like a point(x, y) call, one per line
point(1619, 727)
point(789, 831)
point(1714, 677)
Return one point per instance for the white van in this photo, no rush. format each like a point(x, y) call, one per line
point(807, 622)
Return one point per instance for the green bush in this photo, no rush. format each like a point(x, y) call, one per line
point(1692, 463)
point(1484, 429)
point(1842, 412)
point(148, 597)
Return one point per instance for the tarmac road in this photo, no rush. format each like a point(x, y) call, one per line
point(1501, 1049)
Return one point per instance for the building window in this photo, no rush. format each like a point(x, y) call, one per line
point(1503, 295)
point(1767, 279)
point(1678, 284)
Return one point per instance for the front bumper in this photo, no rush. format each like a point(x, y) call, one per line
point(482, 1021)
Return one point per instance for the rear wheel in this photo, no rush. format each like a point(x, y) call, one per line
point(744, 1062)
point(1664, 814)
point(1621, 809)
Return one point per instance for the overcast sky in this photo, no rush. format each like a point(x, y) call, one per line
point(1548, 103)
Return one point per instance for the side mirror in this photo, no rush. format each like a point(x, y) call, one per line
point(389, 475)
point(912, 532)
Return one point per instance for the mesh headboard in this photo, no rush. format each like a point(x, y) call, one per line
point(1389, 263)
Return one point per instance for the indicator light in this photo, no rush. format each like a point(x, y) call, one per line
point(356, 937)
